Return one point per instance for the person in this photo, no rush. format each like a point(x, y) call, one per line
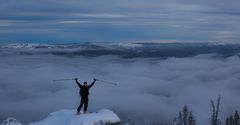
point(84, 92)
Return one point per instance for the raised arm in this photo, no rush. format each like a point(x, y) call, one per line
point(80, 86)
point(94, 80)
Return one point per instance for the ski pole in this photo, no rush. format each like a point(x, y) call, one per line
point(103, 81)
point(107, 82)
point(59, 80)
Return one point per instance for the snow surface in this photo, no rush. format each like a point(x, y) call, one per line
point(11, 121)
point(69, 117)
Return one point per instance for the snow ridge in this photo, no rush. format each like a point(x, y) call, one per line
point(68, 117)
point(11, 121)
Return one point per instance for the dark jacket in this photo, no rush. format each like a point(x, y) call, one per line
point(84, 90)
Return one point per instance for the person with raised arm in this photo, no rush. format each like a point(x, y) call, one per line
point(84, 92)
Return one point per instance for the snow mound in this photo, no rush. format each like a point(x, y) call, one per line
point(11, 121)
point(68, 117)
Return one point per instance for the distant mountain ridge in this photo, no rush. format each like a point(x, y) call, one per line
point(125, 50)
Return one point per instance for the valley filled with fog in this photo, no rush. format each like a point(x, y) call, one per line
point(154, 81)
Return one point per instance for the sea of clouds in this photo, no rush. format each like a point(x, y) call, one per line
point(149, 89)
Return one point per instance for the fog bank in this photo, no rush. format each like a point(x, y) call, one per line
point(150, 89)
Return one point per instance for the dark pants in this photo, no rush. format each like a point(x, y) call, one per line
point(84, 101)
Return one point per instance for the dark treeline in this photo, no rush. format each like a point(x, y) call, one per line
point(233, 119)
point(186, 116)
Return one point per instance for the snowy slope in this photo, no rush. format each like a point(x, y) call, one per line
point(68, 117)
point(11, 121)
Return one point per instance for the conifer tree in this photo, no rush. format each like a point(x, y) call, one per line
point(236, 118)
point(185, 115)
point(191, 119)
point(227, 121)
point(214, 119)
point(180, 118)
point(231, 120)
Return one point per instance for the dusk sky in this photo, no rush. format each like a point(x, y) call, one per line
point(163, 54)
point(74, 21)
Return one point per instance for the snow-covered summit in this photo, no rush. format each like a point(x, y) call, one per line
point(68, 117)
point(11, 121)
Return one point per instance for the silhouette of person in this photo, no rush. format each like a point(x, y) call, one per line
point(84, 92)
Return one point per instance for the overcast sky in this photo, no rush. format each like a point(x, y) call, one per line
point(71, 21)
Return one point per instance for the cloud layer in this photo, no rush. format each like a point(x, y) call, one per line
point(77, 21)
point(149, 89)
